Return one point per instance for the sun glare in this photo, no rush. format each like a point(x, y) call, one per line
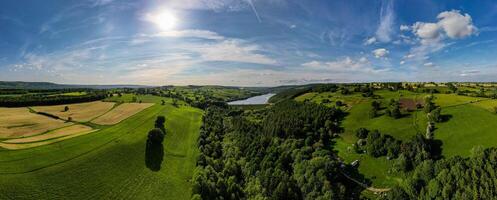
point(164, 20)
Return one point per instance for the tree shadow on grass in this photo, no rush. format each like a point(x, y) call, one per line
point(445, 118)
point(154, 152)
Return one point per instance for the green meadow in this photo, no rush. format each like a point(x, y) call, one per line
point(470, 122)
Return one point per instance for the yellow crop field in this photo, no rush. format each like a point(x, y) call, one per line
point(120, 113)
point(62, 132)
point(81, 112)
point(17, 146)
point(19, 122)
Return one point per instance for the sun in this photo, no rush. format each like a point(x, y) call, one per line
point(164, 20)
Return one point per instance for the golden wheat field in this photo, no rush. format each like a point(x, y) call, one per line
point(62, 132)
point(17, 146)
point(81, 112)
point(120, 113)
point(20, 122)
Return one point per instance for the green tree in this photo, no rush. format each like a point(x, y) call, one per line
point(429, 105)
point(362, 133)
point(435, 115)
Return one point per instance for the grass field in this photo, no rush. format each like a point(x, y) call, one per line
point(81, 112)
point(374, 169)
point(20, 122)
point(120, 113)
point(468, 126)
point(108, 164)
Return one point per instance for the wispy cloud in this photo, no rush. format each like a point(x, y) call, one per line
point(387, 20)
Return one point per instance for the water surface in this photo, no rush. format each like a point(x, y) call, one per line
point(256, 100)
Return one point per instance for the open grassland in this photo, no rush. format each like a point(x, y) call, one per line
point(81, 112)
point(446, 100)
point(468, 126)
point(108, 164)
point(20, 122)
point(120, 113)
point(62, 132)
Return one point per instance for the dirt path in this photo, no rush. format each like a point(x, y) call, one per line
point(372, 189)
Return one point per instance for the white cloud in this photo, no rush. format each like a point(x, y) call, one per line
point(370, 41)
point(165, 55)
point(451, 24)
point(387, 20)
point(380, 53)
point(346, 64)
point(429, 64)
point(404, 27)
point(233, 50)
point(216, 5)
point(469, 72)
point(193, 33)
point(426, 31)
point(456, 25)
point(433, 35)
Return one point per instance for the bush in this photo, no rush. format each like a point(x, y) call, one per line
point(362, 133)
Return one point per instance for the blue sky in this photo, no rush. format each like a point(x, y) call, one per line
point(247, 42)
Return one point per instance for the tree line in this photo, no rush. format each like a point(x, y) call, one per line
point(44, 99)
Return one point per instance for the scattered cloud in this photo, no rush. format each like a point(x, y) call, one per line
point(370, 41)
point(345, 64)
point(429, 64)
point(404, 27)
point(380, 53)
point(469, 72)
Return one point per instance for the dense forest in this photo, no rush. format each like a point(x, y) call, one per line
point(453, 178)
point(285, 151)
point(286, 155)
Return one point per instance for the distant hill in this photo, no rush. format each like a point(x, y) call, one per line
point(48, 85)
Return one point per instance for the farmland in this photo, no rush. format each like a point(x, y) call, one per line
point(81, 112)
point(120, 113)
point(20, 122)
point(113, 155)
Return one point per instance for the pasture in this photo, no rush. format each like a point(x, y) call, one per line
point(120, 113)
point(470, 123)
point(108, 164)
point(81, 112)
point(20, 122)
